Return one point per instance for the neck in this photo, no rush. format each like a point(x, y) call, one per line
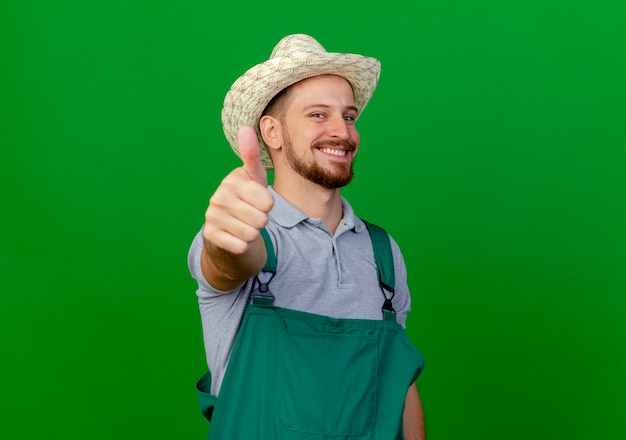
point(312, 200)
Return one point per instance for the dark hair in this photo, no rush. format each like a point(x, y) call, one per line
point(274, 108)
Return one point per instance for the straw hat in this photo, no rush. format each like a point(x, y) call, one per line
point(295, 57)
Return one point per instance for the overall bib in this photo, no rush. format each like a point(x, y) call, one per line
point(294, 375)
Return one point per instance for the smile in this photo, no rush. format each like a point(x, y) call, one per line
point(334, 152)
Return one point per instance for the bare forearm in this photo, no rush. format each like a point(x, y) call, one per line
point(227, 271)
point(413, 417)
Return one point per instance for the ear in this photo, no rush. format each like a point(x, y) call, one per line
point(270, 129)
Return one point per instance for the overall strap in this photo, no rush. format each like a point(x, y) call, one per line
point(383, 257)
point(261, 293)
point(384, 266)
point(270, 263)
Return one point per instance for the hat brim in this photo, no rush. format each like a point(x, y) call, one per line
point(252, 92)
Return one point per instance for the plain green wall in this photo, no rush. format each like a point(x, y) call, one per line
point(493, 150)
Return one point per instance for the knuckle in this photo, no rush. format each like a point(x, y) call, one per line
point(237, 247)
point(248, 235)
point(261, 221)
point(210, 233)
point(267, 202)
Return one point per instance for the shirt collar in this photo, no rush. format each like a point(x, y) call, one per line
point(288, 216)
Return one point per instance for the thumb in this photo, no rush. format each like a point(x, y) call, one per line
point(250, 153)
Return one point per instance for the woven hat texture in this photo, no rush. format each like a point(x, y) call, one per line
point(295, 58)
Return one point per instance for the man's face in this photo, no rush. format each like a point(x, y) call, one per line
point(320, 139)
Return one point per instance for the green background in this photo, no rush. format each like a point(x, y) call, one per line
point(493, 150)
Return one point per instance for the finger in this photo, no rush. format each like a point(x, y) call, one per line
point(238, 186)
point(221, 215)
point(225, 240)
point(250, 153)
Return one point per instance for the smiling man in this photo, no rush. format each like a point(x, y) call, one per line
point(303, 304)
point(322, 114)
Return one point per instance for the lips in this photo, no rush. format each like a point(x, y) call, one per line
point(335, 148)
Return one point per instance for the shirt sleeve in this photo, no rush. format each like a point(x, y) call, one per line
point(402, 298)
point(205, 290)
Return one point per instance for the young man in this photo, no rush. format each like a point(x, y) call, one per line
point(302, 311)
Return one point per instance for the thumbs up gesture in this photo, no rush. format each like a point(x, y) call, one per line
point(240, 206)
point(250, 153)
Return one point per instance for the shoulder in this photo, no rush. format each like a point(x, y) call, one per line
point(390, 248)
point(379, 233)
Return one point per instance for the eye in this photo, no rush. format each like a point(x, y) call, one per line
point(317, 115)
point(350, 118)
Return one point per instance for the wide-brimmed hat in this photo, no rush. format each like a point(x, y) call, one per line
point(295, 58)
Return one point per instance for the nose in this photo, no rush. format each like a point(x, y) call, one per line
point(338, 128)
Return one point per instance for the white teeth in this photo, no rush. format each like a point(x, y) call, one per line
point(333, 152)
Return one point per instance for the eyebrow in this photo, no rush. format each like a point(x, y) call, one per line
point(313, 106)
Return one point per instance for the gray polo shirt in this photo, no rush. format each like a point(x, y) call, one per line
point(317, 272)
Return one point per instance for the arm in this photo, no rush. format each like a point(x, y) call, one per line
point(238, 210)
point(413, 417)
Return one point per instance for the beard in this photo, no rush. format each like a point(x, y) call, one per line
point(337, 177)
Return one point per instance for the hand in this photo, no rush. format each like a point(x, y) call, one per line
point(240, 206)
